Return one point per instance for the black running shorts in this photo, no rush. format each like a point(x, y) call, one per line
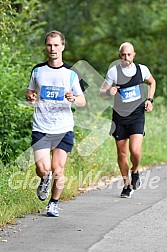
point(124, 131)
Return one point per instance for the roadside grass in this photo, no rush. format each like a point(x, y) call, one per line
point(18, 186)
point(15, 195)
point(154, 149)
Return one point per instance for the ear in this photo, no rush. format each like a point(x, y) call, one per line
point(63, 47)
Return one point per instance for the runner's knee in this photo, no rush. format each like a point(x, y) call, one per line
point(42, 170)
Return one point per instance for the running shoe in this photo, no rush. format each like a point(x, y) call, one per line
point(52, 209)
point(43, 188)
point(126, 192)
point(135, 182)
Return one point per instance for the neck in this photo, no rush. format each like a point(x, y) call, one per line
point(131, 65)
point(127, 66)
point(55, 62)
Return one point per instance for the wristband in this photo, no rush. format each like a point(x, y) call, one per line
point(150, 99)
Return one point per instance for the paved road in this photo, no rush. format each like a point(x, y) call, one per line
point(99, 221)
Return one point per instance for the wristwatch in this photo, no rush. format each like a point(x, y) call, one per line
point(150, 99)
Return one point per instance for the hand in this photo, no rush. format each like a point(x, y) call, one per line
point(69, 96)
point(148, 106)
point(31, 96)
point(113, 90)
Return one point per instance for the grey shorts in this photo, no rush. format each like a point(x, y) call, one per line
point(64, 141)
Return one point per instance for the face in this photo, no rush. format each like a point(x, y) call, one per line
point(127, 54)
point(54, 47)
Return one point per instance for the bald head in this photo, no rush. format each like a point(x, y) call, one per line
point(126, 45)
point(127, 53)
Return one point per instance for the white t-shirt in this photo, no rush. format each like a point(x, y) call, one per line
point(111, 77)
point(52, 112)
point(129, 100)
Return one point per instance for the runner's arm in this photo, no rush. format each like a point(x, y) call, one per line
point(78, 100)
point(108, 90)
point(152, 84)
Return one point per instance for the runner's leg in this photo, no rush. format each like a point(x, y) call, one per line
point(59, 158)
point(135, 146)
point(42, 161)
point(122, 156)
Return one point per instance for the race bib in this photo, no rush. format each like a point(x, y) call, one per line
point(130, 94)
point(52, 93)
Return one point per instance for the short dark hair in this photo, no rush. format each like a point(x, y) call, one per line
point(55, 33)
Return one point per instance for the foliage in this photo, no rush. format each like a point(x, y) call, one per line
point(17, 56)
point(94, 31)
point(90, 35)
point(7, 19)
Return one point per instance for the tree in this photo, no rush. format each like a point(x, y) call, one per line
point(95, 29)
point(18, 56)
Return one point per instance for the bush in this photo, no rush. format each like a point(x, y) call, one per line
point(18, 57)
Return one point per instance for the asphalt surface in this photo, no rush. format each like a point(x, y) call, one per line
point(98, 221)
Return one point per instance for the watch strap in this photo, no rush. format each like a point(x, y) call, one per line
point(150, 99)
